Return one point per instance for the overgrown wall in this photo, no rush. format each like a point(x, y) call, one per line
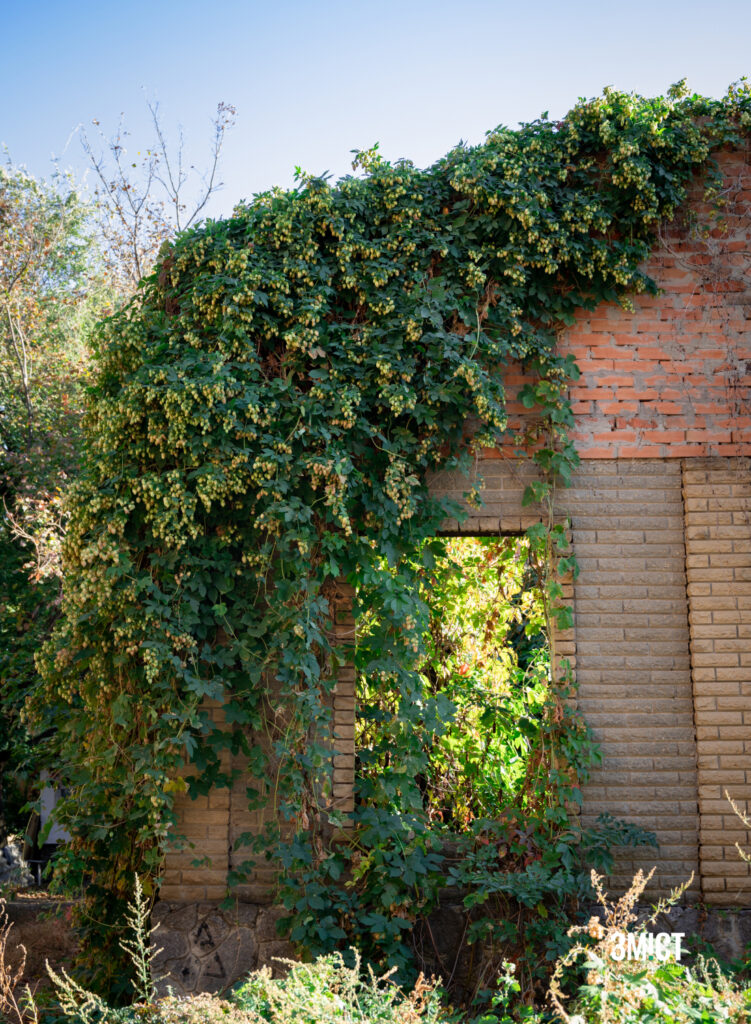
point(671, 379)
point(662, 617)
point(661, 523)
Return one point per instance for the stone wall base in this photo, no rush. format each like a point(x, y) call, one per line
point(726, 929)
point(205, 948)
point(208, 949)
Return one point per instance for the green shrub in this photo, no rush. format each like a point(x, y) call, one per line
point(327, 990)
point(660, 993)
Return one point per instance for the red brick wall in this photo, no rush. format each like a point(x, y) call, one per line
point(672, 379)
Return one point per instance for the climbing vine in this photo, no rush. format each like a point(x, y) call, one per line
point(264, 417)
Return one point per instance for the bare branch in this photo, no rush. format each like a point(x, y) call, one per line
point(19, 348)
point(142, 202)
point(225, 118)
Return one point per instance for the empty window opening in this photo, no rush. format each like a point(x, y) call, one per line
point(482, 677)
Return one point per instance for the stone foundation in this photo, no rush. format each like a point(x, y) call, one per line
point(205, 948)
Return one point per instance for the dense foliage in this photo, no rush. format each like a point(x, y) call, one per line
point(263, 421)
point(487, 654)
point(51, 294)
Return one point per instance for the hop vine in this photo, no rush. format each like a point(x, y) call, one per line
point(264, 418)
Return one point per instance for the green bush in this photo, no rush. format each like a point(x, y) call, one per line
point(328, 990)
point(660, 993)
point(323, 992)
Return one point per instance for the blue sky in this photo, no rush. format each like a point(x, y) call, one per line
point(313, 80)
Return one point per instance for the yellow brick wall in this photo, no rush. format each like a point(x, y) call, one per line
point(717, 499)
point(661, 649)
point(215, 823)
point(630, 643)
point(205, 823)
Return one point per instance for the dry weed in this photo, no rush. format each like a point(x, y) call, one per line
point(604, 969)
point(11, 1009)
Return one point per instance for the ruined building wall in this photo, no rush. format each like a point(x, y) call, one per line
point(660, 513)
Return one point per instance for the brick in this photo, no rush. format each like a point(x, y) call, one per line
point(204, 876)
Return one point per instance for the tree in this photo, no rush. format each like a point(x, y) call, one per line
point(51, 291)
point(46, 278)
